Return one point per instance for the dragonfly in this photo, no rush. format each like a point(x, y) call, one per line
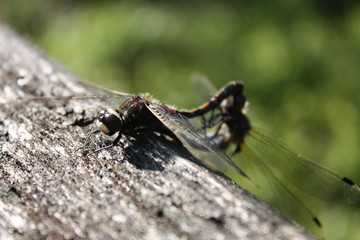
point(139, 114)
point(282, 169)
point(226, 112)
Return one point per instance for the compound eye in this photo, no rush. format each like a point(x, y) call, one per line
point(109, 121)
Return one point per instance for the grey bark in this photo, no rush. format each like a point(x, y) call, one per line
point(145, 188)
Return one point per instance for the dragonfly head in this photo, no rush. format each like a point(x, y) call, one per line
point(109, 121)
point(235, 103)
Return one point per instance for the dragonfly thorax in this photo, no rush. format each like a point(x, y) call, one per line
point(109, 121)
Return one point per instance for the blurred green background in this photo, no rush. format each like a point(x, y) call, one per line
point(299, 61)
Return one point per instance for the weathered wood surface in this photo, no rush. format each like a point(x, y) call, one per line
point(148, 189)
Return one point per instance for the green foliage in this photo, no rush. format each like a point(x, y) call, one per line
point(299, 61)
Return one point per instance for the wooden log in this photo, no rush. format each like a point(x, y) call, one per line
point(145, 188)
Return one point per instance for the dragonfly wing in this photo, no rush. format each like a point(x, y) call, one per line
point(277, 193)
point(194, 139)
point(113, 95)
point(302, 172)
point(204, 88)
point(104, 89)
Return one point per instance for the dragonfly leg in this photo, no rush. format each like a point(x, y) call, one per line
point(87, 140)
point(114, 143)
point(204, 123)
point(215, 119)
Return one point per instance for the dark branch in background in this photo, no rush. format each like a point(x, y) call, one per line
point(147, 187)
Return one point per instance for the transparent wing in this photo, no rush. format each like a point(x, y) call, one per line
point(104, 89)
point(303, 173)
point(100, 94)
point(275, 192)
point(203, 86)
point(31, 98)
point(194, 139)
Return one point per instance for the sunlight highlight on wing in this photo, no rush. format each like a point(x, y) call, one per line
point(195, 140)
